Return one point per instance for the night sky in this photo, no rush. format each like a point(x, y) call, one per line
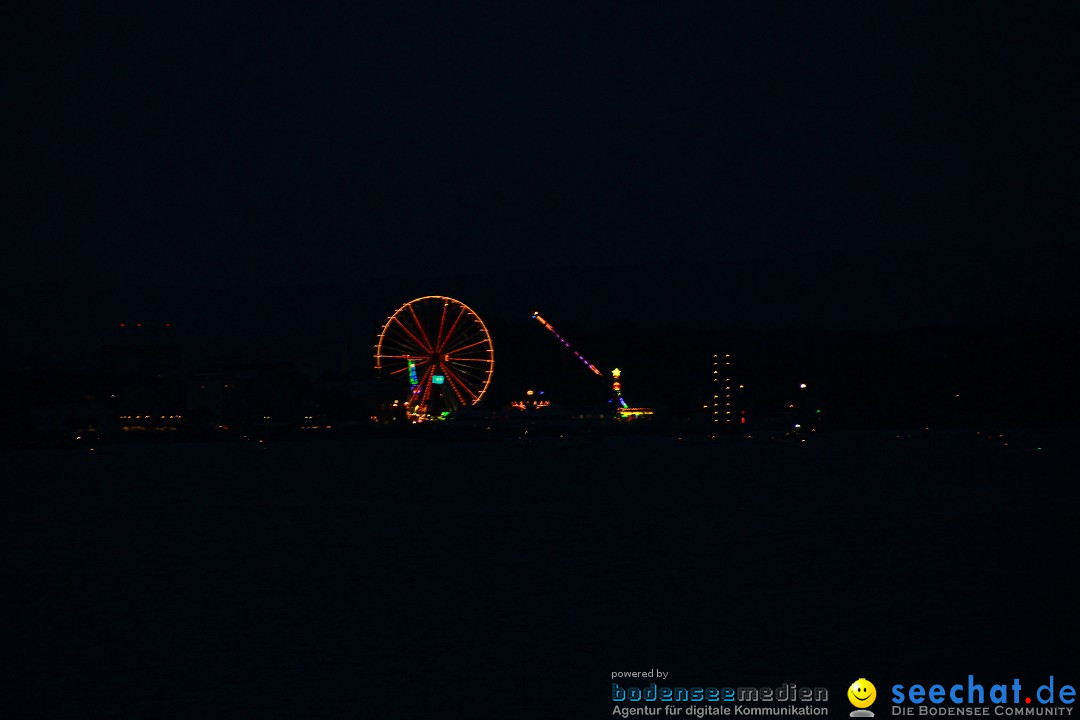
point(213, 207)
point(254, 144)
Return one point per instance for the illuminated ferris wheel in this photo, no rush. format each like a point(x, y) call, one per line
point(440, 351)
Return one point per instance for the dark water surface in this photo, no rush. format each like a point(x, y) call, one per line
point(397, 578)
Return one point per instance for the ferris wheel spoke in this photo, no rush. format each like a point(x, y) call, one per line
point(420, 362)
point(469, 346)
point(451, 374)
point(477, 376)
point(411, 335)
point(404, 350)
point(420, 325)
point(425, 382)
point(474, 380)
point(471, 385)
point(465, 347)
point(453, 385)
point(453, 326)
point(398, 332)
point(442, 322)
point(468, 370)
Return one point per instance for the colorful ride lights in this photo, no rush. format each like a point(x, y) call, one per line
point(548, 326)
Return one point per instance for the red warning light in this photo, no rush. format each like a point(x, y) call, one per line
point(138, 324)
point(122, 325)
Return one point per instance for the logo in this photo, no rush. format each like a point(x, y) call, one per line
point(862, 694)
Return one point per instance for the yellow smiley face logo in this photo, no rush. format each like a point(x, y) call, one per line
point(862, 693)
